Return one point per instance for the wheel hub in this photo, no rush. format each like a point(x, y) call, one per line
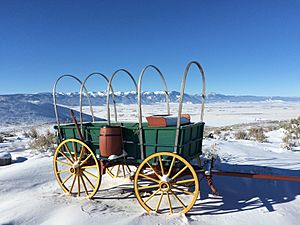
point(76, 165)
point(165, 178)
point(75, 169)
point(165, 186)
point(72, 170)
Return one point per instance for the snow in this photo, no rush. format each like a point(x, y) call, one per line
point(5, 155)
point(159, 92)
point(30, 194)
point(216, 114)
point(130, 93)
point(118, 93)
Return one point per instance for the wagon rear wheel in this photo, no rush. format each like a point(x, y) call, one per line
point(120, 171)
point(166, 182)
point(76, 168)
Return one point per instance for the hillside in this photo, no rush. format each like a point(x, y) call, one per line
point(99, 98)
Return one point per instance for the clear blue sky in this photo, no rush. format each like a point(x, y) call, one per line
point(245, 47)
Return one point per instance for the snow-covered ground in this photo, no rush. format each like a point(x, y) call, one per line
point(216, 114)
point(29, 193)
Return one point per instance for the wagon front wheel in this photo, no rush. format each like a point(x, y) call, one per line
point(166, 182)
point(76, 168)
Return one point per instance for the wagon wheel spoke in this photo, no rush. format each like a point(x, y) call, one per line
point(152, 195)
point(85, 160)
point(117, 173)
point(123, 169)
point(84, 186)
point(149, 187)
point(149, 178)
point(110, 170)
point(153, 169)
point(184, 181)
point(159, 201)
point(178, 199)
point(68, 159)
point(62, 171)
point(88, 180)
point(64, 163)
point(72, 185)
point(67, 178)
point(161, 165)
point(81, 153)
point(74, 149)
point(171, 166)
point(184, 191)
point(93, 175)
point(78, 182)
point(177, 174)
point(89, 167)
point(68, 150)
point(169, 202)
point(128, 169)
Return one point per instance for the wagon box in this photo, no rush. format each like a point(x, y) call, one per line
point(157, 139)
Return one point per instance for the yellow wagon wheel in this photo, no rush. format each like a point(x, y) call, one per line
point(76, 168)
point(120, 171)
point(166, 182)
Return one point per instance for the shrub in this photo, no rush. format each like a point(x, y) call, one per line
point(43, 142)
point(32, 133)
point(1, 139)
point(241, 135)
point(7, 134)
point(207, 132)
point(272, 128)
point(292, 136)
point(217, 132)
point(288, 141)
point(258, 134)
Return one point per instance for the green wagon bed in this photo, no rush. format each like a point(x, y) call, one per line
point(156, 139)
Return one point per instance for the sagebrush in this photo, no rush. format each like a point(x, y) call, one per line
point(43, 142)
point(241, 135)
point(292, 134)
point(258, 134)
point(32, 133)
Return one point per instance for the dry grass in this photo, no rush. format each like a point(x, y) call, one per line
point(292, 136)
point(258, 134)
point(241, 135)
point(207, 131)
point(43, 142)
point(217, 131)
point(32, 133)
point(257, 131)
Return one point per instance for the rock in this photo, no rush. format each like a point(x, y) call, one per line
point(5, 158)
point(211, 135)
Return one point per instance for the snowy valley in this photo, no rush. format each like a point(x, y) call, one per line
point(29, 193)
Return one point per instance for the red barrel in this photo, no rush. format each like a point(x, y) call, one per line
point(110, 141)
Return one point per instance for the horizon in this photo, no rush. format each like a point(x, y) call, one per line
point(245, 48)
point(208, 93)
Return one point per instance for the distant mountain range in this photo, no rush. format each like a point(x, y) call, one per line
point(99, 98)
point(15, 108)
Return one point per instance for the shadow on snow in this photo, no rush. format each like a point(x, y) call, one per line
point(241, 194)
